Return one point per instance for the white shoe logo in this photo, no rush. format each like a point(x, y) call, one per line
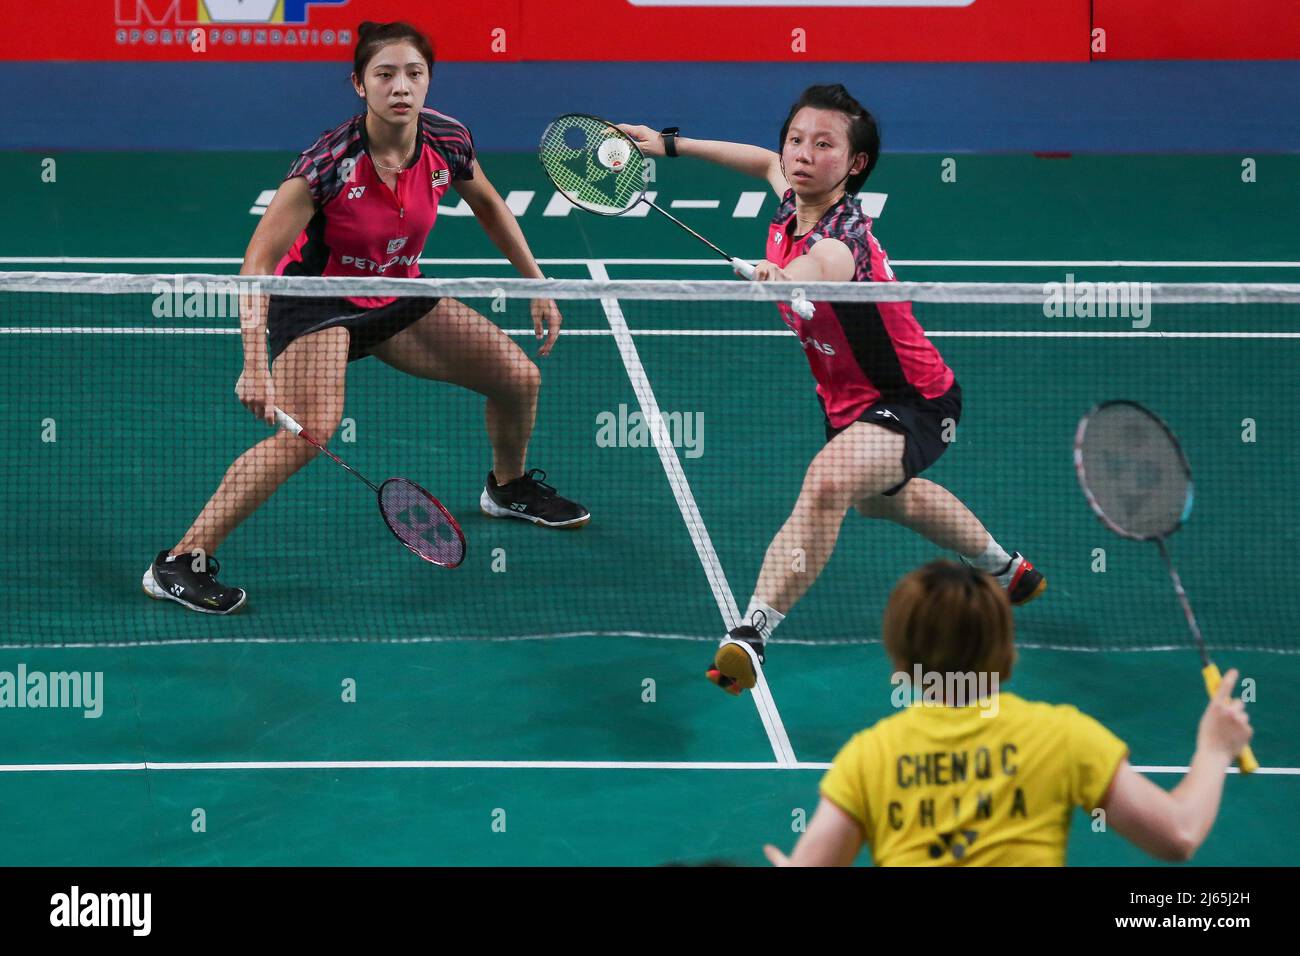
point(177, 589)
point(518, 506)
point(885, 413)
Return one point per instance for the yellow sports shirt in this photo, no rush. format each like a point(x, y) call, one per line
point(946, 786)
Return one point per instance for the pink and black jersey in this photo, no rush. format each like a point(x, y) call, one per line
point(361, 226)
point(860, 352)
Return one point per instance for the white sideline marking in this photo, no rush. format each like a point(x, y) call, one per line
point(672, 465)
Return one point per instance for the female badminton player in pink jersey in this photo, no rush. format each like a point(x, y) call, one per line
point(891, 402)
point(361, 202)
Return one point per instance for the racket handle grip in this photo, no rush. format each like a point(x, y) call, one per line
point(742, 268)
point(746, 271)
point(1246, 761)
point(285, 421)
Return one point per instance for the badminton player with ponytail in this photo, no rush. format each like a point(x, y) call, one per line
point(890, 401)
point(361, 201)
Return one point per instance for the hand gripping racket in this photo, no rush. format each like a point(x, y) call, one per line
point(1136, 478)
point(599, 168)
point(415, 517)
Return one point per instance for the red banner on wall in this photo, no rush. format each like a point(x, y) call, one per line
point(487, 30)
point(1197, 29)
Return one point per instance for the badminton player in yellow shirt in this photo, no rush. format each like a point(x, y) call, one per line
point(993, 780)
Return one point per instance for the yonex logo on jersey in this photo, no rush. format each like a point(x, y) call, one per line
point(394, 245)
point(955, 843)
point(355, 193)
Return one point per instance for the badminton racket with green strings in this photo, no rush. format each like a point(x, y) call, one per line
point(599, 168)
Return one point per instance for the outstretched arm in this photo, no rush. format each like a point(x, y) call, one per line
point(751, 160)
point(827, 261)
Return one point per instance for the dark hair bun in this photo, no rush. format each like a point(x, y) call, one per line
point(366, 26)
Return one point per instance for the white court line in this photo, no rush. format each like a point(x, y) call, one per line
point(386, 641)
point(1032, 334)
point(948, 263)
point(681, 488)
point(968, 334)
point(721, 333)
point(236, 765)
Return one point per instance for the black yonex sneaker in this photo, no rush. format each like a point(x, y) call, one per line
point(735, 666)
point(174, 579)
point(529, 497)
point(1022, 580)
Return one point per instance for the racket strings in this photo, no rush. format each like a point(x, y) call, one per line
point(594, 164)
point(419, 523)
point(1134, 470)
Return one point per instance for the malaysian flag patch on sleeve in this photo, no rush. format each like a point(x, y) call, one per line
point(440, 177)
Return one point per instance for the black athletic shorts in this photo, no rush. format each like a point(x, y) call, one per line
point(922, 423)
point(289, 317)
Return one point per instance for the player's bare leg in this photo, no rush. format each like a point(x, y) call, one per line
point(861, 461)
point(933, 512)
point(308, 380)
point(309, 384)
point(939, 516)
point(455, 344)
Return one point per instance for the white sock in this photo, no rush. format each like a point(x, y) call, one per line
point(768, 618)
point(992, 560)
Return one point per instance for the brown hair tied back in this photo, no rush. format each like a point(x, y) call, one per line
point(373, 37)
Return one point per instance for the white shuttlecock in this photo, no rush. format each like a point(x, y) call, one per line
point(613, 154)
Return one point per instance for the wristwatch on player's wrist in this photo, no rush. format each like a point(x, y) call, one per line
point(670, 140)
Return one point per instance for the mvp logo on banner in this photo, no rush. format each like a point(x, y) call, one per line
point(193, 12)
